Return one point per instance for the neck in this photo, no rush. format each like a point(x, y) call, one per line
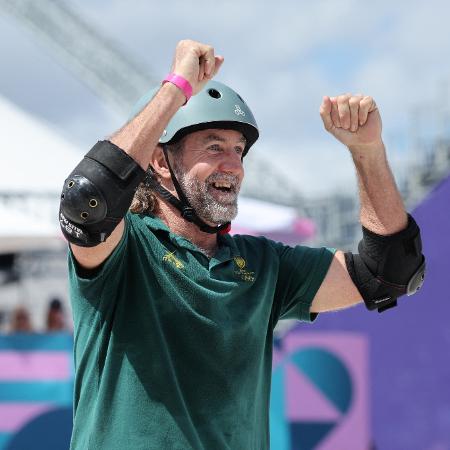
point(207, 242)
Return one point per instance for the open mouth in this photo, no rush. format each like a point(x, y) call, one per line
point(223, 186)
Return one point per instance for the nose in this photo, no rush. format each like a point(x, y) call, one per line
point(232, 163)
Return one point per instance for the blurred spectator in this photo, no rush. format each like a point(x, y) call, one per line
point(55, 316)
point(2, 320)
point(20, 321)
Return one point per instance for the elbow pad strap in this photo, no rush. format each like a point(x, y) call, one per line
point(98, 193)
point(387, 267)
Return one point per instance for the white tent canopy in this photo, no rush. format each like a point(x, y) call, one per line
point(18, 232)
point(257, 215)
point(277, 222)
point(33, 158)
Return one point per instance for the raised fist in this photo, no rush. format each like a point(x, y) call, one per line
point(352, 119)
point(196, 62)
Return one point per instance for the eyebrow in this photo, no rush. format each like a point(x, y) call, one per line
point(216, 137)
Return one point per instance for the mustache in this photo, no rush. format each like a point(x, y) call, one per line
point(233, 180)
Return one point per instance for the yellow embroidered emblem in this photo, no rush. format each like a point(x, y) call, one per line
point(240, 262)
point(170, 257)
point(242, 273)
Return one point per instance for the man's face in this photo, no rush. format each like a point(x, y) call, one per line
point(210, 173)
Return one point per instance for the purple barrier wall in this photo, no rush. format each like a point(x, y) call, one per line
point(410, 345)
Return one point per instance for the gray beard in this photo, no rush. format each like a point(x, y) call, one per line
point(205, 205)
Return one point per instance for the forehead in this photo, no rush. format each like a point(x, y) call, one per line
point(215, 135)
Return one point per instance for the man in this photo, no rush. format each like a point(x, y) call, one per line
point(174, 317)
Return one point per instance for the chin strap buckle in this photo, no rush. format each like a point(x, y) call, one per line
point(226, 229)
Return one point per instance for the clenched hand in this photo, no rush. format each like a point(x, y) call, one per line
point(352, 119)
point(196, 62)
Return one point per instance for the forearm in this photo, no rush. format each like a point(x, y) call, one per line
point(382, 209)
point(390, 261)
point(98, 192)
point(141, 135)
point(193, 61)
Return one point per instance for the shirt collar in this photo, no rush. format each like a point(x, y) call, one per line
point(226, 251)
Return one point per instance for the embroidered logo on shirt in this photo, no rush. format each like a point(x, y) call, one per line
point(240, 262)
point(172, 259)
point(242, 273)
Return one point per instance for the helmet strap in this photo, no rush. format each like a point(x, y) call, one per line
point(182, 203)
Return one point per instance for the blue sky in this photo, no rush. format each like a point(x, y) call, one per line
point(281, 56)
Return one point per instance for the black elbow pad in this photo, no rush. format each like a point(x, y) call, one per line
point(387, 267)
point(98, 193)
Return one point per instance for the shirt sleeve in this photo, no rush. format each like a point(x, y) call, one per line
point(301, 272)
point(96, 292)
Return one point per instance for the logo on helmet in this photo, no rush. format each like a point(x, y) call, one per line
point(238, 111)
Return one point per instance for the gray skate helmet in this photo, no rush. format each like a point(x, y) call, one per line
point(215, 106)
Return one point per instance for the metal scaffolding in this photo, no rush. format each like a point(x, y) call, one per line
point(116, 77)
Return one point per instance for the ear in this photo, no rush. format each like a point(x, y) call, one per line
point(159, 163)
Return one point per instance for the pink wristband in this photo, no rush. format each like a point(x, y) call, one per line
point(180, 83)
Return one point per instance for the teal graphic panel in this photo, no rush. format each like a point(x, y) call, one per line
point(319, 398)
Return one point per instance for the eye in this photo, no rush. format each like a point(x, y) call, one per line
point(215, 148)
point(239, 150)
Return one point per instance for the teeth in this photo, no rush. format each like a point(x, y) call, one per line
point(222, 184)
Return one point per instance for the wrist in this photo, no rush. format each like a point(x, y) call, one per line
point(368, 153)
point(173, 93)
point(375, 147)
point(181, 83)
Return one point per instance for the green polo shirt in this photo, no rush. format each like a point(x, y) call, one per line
point(173, 350)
